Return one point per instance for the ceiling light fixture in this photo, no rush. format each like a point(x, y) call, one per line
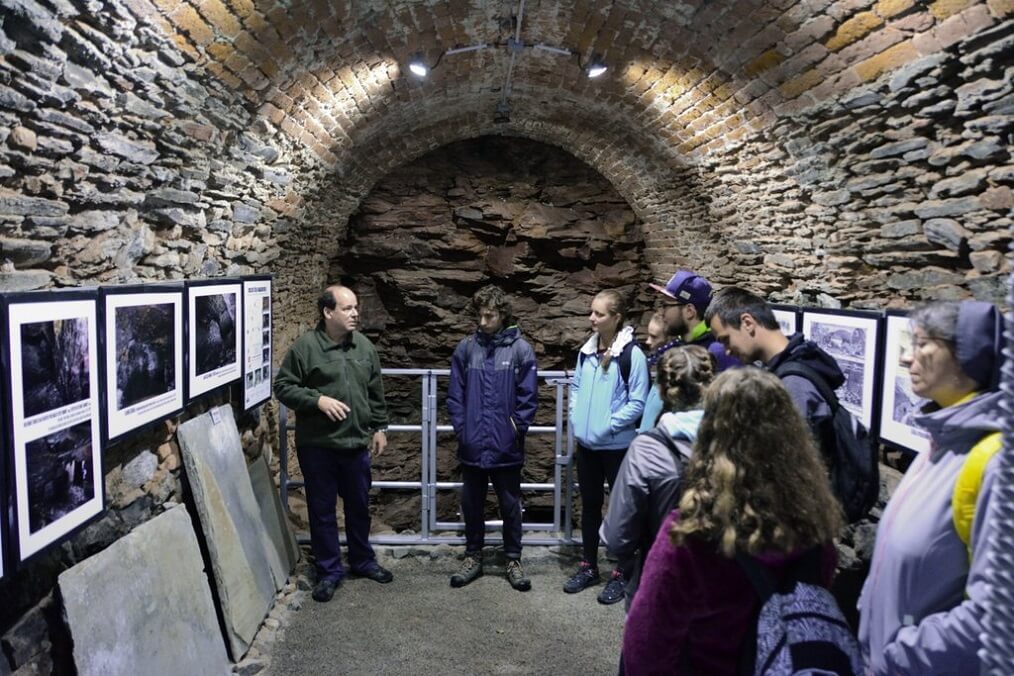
point(418, 66)
point(596, 67)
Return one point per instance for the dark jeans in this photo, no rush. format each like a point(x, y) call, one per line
point(329, 473)
point(507, 484)
point(593, 469)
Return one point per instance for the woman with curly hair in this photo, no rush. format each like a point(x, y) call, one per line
point(648, 483)
point(755, 486)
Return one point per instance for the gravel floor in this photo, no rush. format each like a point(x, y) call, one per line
point(418, 624)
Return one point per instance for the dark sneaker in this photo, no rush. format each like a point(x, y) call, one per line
point(471, 568)
point(586, 576)
point(614, 590)
point(378, 574)
point(516, 576)
point(323, 591)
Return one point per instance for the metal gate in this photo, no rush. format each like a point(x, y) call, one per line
point(432, 531)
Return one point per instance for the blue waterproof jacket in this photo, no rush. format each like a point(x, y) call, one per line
point(604, 411)
point(492, 398)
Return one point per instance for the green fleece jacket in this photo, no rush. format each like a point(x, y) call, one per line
point(349, 372)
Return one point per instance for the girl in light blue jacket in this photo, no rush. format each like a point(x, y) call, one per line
point(607, 396)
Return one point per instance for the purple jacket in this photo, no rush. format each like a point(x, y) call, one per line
point(694, 607)
point(492, 398)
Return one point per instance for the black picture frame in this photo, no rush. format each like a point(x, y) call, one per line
point(789, 318)
point(52, 394)
point(853, 339)
point(898, 404)
point(214, 330)
point(143, 357)
point(258, 347)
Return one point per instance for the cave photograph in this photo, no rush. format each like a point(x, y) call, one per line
point(145, 353)
point(215, 331)
point(54, 364)
point(59, 467)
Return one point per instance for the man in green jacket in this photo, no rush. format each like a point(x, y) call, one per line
point(331, 379)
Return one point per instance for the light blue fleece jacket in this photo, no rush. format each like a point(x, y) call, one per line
point(922, 606)
point(603, 409)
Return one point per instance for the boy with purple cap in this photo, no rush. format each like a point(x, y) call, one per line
point(686, 297)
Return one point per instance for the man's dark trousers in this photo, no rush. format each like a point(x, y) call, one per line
point(507, 485)
point(329, 473)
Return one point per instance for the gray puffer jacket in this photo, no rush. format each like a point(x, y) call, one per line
point(648, 486)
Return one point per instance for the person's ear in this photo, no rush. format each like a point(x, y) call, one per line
point(747, 323)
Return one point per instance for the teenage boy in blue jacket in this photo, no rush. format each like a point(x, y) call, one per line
point(491, 399)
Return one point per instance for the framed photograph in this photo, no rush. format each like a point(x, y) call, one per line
point(788, 318)
point(852, 338)
point(257, 350)
point(214, 332)
point(143, 355)
point(51, 389)
point(899, 405)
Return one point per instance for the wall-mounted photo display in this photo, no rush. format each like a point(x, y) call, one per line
point(143, 348)
point(52, 415)
point(788, 318)
point(899, 405)
point(215, 329)
point(257, 350)
point(851, 337)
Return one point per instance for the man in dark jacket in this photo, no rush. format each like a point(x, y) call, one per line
point(744, 323)
point(492, 398)
point(331, 378)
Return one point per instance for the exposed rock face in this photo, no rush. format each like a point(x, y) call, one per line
point(525, 216)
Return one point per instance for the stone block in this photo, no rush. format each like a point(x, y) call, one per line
point(25, 253)
point(143, 605)
point(943, 9)
point(891, 58)
point(945, 231)
point(142, 152)
point(275, 520)
point(854, 29)
point(891, 8)
point(27, 280)
point(1001, 8)
point(243, 559)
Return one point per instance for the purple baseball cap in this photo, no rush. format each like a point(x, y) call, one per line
point(688, 288)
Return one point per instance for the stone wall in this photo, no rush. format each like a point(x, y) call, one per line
point(897, 191)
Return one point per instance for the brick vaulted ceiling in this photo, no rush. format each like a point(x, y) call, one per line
point(686, 75)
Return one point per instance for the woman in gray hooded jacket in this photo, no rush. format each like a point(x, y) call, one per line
point(921, 609)
point(648, 483)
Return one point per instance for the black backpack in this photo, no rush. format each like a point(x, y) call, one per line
point(800, 628)
point(848, 448)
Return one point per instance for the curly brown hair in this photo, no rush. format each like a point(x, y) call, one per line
point(683, 373)
point(756, 481)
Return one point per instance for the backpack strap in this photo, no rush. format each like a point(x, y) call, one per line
point(968, 485)
point(764, 584)
point(625, 360)
point(795, 368)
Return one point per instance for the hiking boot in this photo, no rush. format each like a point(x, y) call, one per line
point(516, 576)
point(323, 591)
point(586, 576)
point(378, 574)
point(614, 590)
point(471, 568)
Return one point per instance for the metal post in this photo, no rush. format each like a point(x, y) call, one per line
point(424, 470)
point(557, 448)
point(283, 454)
point(997, 651)
point(432, 488)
